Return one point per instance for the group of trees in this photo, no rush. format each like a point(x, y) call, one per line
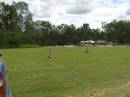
point(118, 31)
point(17, 28)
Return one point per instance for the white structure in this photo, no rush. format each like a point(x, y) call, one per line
point(84, 43)
point(98, 42)
point(101, 42)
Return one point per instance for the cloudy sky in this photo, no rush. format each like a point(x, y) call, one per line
point(78, 12)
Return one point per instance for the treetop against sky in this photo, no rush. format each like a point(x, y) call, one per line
point(78, 12)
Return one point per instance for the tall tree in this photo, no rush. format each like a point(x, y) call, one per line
point(25, 16)
point(118, 31)
point(8, 17)
point(85, 32)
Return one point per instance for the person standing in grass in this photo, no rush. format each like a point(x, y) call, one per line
point(50, 53)
point(87, 48)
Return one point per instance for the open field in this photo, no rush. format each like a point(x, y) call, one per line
point(103, 72)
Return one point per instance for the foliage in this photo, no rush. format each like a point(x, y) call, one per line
point(29, 46)
point(18, 28)
point(118, 31)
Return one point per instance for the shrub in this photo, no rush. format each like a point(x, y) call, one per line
point(29, 46)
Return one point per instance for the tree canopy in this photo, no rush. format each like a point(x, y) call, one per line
point(18, 28)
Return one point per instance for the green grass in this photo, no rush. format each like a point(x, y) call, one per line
point(103, 72)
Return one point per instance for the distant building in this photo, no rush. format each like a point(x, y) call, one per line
point(84, 43)
point(101, 42)
point(97, 42)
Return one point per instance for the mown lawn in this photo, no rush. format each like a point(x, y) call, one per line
point(103, 72)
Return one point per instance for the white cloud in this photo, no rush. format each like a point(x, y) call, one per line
point(48, 8)
point(41, 8)
point(10, 1)
point(79, 11)
point(128, 10)
point(82, 6)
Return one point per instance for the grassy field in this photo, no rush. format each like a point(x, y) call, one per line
point(103, 72)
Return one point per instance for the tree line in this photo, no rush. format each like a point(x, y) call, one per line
point(18, 28)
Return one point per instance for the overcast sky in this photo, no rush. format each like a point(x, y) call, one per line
point(78, 12)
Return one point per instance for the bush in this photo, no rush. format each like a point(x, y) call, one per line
point(29, 46)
